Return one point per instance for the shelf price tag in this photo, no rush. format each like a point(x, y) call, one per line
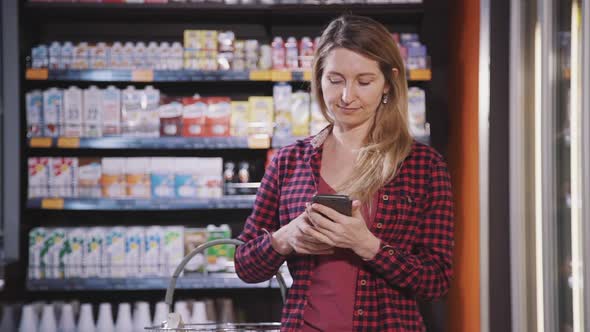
point(68, 142)
point(282, 76)
point(142, 75)
point(40, 142)
point(420, 75)
point(260, 75)
point(260, 141)
point(37, 74)
point(52, 204)
point(307, 75)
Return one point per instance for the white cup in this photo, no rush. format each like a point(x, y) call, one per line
point(161, 313)
point(48, 323)
point(66, 320)
point(199, 313)
point(86, 319)
point(105, 318)
point(28, 320)
point(124, 322)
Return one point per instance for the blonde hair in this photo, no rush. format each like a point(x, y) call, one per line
point(389, 141)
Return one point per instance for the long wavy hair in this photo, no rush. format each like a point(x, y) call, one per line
point(388, 142)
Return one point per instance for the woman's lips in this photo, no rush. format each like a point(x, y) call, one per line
point(349, 109)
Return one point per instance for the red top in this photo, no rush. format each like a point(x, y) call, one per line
point(413, 219)
point(330, 304)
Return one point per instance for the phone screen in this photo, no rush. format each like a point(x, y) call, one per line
point(339, 203)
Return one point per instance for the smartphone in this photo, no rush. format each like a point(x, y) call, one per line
point(339, 203)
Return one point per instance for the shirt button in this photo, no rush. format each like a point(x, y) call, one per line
point(385, 197)
point(360, 312)
point(391, 252)
point(379, 225)
point(363, 282)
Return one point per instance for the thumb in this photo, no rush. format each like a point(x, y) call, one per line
point(356, 209)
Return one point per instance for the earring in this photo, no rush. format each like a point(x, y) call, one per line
point(385, 99)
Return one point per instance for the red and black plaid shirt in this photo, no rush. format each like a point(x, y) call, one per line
point(414, 221)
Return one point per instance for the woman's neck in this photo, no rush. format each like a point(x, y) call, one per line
point(350, 138)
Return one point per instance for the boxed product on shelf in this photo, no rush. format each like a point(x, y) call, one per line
point(111, 108)
point(63, 177)
point(261, 115)
point(55, 248)
point(300, 112)
point(150, 257)
point(94, 249)
point(36, 240)
point(417, 111)
point(114, 255)
point(34, 100)
point(113, 181)
point(171, 119)
point(89, 177)
point(217, 119)
point(81, 58)
point(194, 237)
point(99, 56)
point(137, 175)
point(186, 177)
point(218, 256)
point(67, 55)
point(73, 112)
point(306, 51)
point(134, 246)
point(74, 261)
point(55, 56)
point(193, 116)
point(291, 53)
point(210, 178)
point(172, 250)
point(282, 109)
point(92, 112)
point(162, 177)
point(52, 112)
point(278, 53)
point(39, 56)
point(140, 112)
point(239, 118)
point(38, 177)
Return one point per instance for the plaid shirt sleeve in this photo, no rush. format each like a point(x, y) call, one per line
point(427, 270)
point(256, 260)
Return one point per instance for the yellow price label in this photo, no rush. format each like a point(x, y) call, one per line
point(40, 142)
point(260, 75)
point(420, 75)
point(37, 74)
point(282, 76)
point(307, 75)
point(52, 203)
point(142, 75)
point(259, 141)
point(68, 142)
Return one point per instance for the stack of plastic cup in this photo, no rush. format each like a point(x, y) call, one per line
point(124, 322)
point(28, 320)
point(86, 319)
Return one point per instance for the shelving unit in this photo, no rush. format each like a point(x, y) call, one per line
point(45, 22)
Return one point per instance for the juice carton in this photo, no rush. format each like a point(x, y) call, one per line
point(239, 118)
point(52, 112)
point(172, 250)
point(74, 260)
point(81, 58)
point(282, 109)
point(170, 119)
point(93, 251)
point(194, 237)
point(111, 108)
point(186, 177)
point(113, 177)
point(36, 240)
point(116, 58)
point(73, 112)
point(138, 177)
point(63, 177)
point(149, 125)
point(38, 177)
point(67, 55)
point(131, 100)
point(153, 55)
point(210, 175)
point(89, 176)
point(92, 112)
point(134, 244)
point(300, 113)
point(218, 256)
point(99, 56)
point(261, 115)
point(53, 251)
point(34, 113)
point(55, 55)
point(162, 177)
point(150, 258)
point(114, 257)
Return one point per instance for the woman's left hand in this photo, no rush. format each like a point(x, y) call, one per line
point(342, 231)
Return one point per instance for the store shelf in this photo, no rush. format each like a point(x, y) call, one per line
point(178, 143)
point(177, 10)
point(197, 281)
point(279, 142)
point(107, 204)
point(149, 75)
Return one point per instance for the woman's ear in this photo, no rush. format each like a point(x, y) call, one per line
point(395, 72)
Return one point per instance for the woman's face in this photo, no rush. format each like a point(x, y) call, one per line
point(352, 86)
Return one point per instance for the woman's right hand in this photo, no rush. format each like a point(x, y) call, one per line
point(294, 237)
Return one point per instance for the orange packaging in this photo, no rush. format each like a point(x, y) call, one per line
point(218, 119)
point(193, 116)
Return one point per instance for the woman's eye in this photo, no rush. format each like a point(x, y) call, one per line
point(364, 83)
point(333, 81)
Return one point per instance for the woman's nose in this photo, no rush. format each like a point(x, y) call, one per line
point(348, 94)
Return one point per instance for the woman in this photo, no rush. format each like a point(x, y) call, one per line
point(365, 271)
